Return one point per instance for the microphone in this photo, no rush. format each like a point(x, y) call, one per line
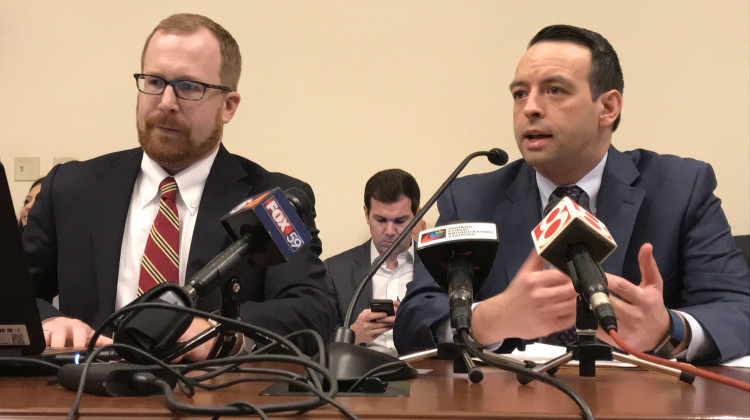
point(349, 362)
point(459, 256)
point(266, 230)
point(575, 242)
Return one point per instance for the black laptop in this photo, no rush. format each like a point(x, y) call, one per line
point(20, 326)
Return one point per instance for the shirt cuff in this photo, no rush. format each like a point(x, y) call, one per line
point(700, 346)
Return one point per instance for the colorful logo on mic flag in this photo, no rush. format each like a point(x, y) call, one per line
point(432, 235)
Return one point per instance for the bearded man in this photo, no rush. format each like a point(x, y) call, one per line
point(89, 234)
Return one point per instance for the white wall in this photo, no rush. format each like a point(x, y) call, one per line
point(335, 90)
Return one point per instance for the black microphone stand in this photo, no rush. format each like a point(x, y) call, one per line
point(587, 351)
point(350, 363)
point(226, 336)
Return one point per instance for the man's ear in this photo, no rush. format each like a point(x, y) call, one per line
point(367, 214)
point(231, 102)
point(611, 105)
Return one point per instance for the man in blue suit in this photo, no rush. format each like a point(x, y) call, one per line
point(87, 232)
point(391, 201)
point(679, 285)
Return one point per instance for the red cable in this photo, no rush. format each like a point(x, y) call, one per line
point(680, 366)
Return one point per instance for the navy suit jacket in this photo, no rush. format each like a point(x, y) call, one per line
point(644, 197)
point(344, 272)
point(74, 237)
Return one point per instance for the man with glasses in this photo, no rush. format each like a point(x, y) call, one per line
point(105, 230)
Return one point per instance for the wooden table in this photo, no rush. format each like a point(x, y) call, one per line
point(437, 394)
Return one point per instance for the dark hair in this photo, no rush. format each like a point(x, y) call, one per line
point(37, 182)
point(606, 73)
point(389, 185)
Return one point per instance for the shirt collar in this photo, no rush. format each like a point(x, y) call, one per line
point(590, 183)
point(374, 254)
point(190, 181)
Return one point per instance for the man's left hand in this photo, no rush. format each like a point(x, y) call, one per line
point(642, 318)
point(201, 352)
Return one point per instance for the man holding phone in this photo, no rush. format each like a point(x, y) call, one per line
point(391, 201)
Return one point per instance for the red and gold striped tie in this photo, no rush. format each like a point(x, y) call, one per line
point(161, 259)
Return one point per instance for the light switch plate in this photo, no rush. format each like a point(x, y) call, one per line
point(26, 169)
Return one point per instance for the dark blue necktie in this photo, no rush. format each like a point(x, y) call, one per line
point(575, 193)
point(569, 336)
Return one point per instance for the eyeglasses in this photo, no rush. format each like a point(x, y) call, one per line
point(184, 89)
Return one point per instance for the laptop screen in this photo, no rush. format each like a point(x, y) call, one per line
point(20, 325)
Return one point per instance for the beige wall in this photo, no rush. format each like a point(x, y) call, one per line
point(333, 91)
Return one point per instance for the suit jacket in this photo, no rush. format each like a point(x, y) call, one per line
point(344, 272)
point(644, 197)
point(75, 231)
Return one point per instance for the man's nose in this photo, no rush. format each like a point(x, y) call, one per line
point(168, 101)
point(532, 107)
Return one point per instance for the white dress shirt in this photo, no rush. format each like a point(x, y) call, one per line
point(144, 205)
point(390, 284)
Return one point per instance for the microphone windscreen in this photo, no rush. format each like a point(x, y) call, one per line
point(301, 201)
point(497, 157)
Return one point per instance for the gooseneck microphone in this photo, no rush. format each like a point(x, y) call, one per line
point(349, 362)
point(266, 230)
point(575, 242)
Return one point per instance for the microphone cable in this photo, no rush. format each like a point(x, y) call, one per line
point(475, 351)
point(147, 379)
point(230, 364)
point(682, 367)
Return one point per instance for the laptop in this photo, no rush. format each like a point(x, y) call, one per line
point(20, 326)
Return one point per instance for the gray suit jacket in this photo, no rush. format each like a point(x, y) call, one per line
point(344, 272)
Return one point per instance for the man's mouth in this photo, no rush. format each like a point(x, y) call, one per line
point(536, 135)
point(536, 138)
point(169, 129)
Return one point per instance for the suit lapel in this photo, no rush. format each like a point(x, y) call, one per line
point(226, 186)
point(618, 205)
point(359, 269)
point(113, 190)
point(519, 210)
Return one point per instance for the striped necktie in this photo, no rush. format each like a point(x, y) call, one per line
point(161, 260)
point(569, 336)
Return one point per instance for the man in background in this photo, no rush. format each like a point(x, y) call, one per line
point(95, 224)
point(679, 285)
point(391, 201)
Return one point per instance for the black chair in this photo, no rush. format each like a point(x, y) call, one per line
point(743, 242)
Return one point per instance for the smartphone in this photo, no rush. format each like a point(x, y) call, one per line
point(382, 305)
